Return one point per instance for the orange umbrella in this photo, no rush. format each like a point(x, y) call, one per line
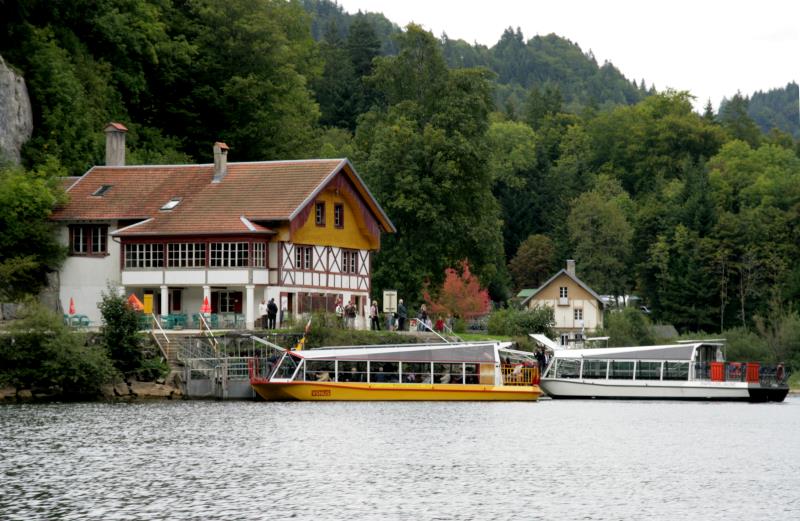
point(135, 303)
point(206, 307)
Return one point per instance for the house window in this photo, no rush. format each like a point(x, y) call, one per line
point(100, 192)
point(338, 215)
point(562, 292)
point(302, 257)
point(349, 261)
point(144, 255)
point(171, 204)
point(88, 239)
point(227, 302)
point(564, 339)
point(259, 257)
point(578, 314)
point(186, 255)
point(319, 210)
point(229, 254)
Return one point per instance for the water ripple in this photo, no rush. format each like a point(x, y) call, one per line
point(583, 460)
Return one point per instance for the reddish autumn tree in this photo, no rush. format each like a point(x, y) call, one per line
point(460, 295)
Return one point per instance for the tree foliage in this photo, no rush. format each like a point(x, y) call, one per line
point(534, 262)
point(470, 149)
point(29, 249)
point(522, 322)
point(460, 295)
point(120, 331)
point(39, 352)
point(426, 164)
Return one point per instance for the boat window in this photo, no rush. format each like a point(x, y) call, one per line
point(676, 370)
point(352, 371)
point(621, 370)
point(595, 368)
point(287, 367)
point(448, 373)
point(320, 370)
point(471, 373)
point(567, 368)
point(384, 372)
point(416, 372)
point(648, 370)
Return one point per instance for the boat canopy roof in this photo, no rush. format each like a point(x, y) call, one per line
point(663, 352)
point(484, 352)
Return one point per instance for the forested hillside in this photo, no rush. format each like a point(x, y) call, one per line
point(698, 214)
point(777, 109)
point(546, 62)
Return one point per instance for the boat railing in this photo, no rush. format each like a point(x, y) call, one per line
point(260, 368)
point(517, 374)
point(751, 372)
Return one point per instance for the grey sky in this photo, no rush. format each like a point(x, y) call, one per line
point(711, 49)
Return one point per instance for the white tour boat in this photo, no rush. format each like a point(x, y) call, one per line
point(684, 371)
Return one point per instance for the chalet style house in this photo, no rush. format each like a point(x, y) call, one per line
point(300, 232)
point(578, 309)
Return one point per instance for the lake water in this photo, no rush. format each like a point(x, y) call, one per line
point(390, 460)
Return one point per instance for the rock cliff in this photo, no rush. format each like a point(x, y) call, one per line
point(16, 116)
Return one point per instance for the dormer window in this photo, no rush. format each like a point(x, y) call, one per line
point(100, 192)
point(171, 204)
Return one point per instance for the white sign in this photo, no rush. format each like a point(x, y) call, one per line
point(390, 301)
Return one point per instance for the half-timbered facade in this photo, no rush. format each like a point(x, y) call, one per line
point(299, 232)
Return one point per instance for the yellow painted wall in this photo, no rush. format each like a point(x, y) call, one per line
point(353, 235)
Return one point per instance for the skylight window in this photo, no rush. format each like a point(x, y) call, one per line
point(100, 192)
point(171, 204)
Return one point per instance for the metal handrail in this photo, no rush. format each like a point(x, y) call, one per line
point(158, 324)
point(207, 331)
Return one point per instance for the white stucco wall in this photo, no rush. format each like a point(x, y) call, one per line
point(84, 279)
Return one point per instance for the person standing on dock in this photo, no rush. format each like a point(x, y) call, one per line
point(262, 310)
point(402, 315)
point(339, 310)
point(272, 313)
point(373, 316)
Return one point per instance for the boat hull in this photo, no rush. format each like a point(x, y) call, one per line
point(657, 390)
point(313, 391)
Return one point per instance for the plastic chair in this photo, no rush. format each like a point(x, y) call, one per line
point(214, 321)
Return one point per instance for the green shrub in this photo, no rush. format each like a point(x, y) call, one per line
point(521, 322)
point(153, 368)
point(628, 327)
point(120, 332)
point(41, 353)
point(742, 345)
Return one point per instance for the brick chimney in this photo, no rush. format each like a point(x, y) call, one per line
point(115, 144)
point(571, 267)
point(220, 161)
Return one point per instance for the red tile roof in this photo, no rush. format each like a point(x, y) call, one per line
point(259, 191)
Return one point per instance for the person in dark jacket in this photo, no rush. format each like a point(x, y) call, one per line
point(272, 313)
point(402, 315)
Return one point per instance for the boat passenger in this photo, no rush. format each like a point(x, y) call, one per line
point(324, 376)
point(353, 376)
point(445, 379)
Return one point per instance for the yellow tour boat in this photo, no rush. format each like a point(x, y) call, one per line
point(467, 371)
